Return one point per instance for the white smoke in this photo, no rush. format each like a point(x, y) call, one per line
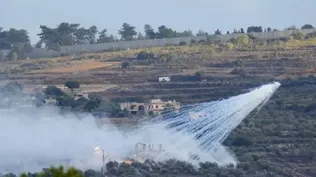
point(32, 138)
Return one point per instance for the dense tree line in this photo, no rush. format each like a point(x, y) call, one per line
point(72, 34)
point(66, 34)
point(169, 168)
point(15, 40)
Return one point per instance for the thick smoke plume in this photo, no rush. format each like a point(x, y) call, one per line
point(35, 138)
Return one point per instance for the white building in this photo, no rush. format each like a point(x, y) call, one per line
point(164, 79)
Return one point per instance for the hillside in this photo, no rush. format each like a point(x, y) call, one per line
point(243, 63)
point(279, 141)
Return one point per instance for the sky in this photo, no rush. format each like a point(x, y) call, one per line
point(207, 15)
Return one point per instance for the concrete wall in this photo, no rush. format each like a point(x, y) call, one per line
point(123, 45)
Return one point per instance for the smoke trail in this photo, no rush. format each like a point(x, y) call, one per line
point(214, 121)
point(31, 139)
point(218, 119)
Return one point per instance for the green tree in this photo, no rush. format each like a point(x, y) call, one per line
point(17, 41)
point(164, 32)
point(310, 35)
point(50, 38)
point(201, 33)
point(85, 36)
point(298, 36)
point(269, 29)
point(66, 101)
point(12, 36)
point(307, 26)
point(186, 33)
point(53, 91)
point(149, 32)
point(218, 32)
point(112, 109)
point(127, 32)
point(140, 36)
point(58, 172)
point(242, 141)
point(10, 175)
point(81, 36)
point(242, 41)
point(126, 64)
point(104, 38)
point(91, 105)
point(92, 32)
point(72, 85)
point(143, 55)
point(65, 34)
point(38, 44)
point(255, 29)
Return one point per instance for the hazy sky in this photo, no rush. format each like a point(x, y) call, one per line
point(207, 15)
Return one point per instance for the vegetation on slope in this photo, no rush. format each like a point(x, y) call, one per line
point(278, 141)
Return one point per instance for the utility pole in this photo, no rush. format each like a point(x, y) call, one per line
point(103, 164)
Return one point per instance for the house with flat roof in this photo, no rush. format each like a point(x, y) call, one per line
point(156, 106)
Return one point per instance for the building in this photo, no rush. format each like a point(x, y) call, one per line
point(154, 106)
point(50, 101)
point(79, 95)
point(164, 79)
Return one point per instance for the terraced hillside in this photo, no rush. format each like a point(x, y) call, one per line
point(278, 141)
point(222, 73)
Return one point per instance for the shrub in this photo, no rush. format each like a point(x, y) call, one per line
point(182, 43)
point(242, 141)
point(252, 37)
point(193, 41)
point(126, 64)
point(291, 38)
point(242, 41)
point(310, 35)
point(201, 42)
point(72, 85)
point(239, 71)
point(230, 46)
point(91, 105)
point(53, 91)
point(143, 55)
point(58, 172)
point(199, 75)
point(112, 109)
point(13, 56)
point(65, 101)
point(212, 39)
point(298, 36)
